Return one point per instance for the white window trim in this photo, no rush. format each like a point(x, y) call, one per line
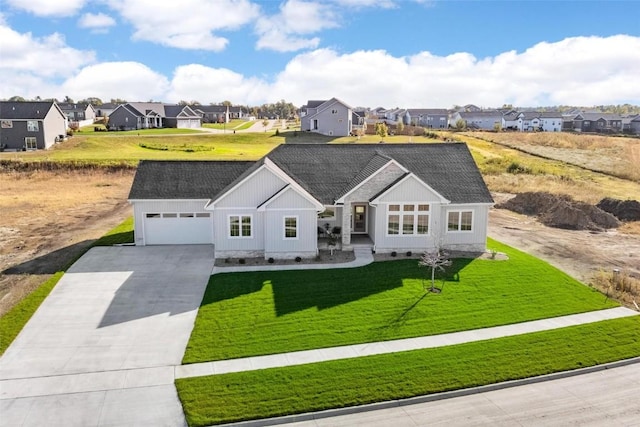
point(33, 140)
point(34, 128)
point(415, 213)
point(460, 211)
point(240, 216)
point(284, 227)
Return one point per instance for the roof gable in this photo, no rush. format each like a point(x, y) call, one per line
point(38, 110)
point(323, 171)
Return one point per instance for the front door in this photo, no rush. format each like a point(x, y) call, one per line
point(359, 219)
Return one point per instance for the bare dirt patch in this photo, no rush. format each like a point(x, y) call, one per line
point(48, 218)
point(561, 211)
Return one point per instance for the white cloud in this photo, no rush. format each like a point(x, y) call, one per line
point(33, 66)
point(48, 7)
point(98, 22)
point(282, 32)
point(132, 81)
point(187, 24)
point(205, 84)
point(565, 72)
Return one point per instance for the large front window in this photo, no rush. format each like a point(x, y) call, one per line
point(240, 226)
point(407, 219)
point(460, 221)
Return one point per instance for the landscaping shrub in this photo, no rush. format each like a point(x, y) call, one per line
point(241, 261)
point(298, 259)
point(394, 253)
point(271, 260)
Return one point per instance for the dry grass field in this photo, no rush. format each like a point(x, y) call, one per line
point(617, 156)
point(48, 218)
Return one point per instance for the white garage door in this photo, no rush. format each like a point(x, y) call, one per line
point(178, 228)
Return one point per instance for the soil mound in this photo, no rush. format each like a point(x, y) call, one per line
point(624, 210)
point(561, 211)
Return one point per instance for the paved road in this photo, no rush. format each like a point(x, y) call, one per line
point(605, 398)
point(102, 347)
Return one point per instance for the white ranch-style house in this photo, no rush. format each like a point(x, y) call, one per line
point(397, 197)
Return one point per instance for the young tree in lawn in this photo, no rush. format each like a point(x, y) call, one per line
point(435, 259)
point(265, 123)
point(399, 126)
point(381, 130)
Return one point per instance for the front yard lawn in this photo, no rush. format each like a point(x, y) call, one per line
point(256, 313)
point(349, 382)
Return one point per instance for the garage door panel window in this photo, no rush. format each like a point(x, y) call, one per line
point(153, 215)
point(460, 221)
point(240, 226)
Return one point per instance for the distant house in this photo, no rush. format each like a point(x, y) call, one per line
point(393, 197)
point(432, 118)
point(532, 121)
point(332, 117)
point(31, 125)
point(634, 125)
point(104, 110)
point(146, 115)
point(597, 122)
point(219, 113)
point(78, 112)
point(486, 120)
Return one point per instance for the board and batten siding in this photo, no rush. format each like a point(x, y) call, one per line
point(252, 192)
point(290, 203)
point(143, 207)
point(409, 191)
point(227, 246)
point(305, 245)
point(474, 240)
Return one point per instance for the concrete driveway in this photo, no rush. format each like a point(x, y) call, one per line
point(101, 349)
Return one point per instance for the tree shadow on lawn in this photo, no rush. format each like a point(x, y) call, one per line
point(300, 290)
point(450, 275)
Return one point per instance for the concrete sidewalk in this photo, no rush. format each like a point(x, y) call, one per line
point(395, 346)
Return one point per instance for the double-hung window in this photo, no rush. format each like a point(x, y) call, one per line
point(407, 219)
point(32, 126)
point(290, 227)
point(240, 226)
point(460, 221)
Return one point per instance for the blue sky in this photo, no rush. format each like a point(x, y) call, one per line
point(411, 53)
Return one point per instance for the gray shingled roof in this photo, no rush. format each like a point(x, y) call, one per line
point(326, 171)
point(170, 179)
point(10, 110)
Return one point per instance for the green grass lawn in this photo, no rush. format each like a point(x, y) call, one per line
point(255, 313)
point(90, 131)
point(14, 320)
point(349, 382)
point(130, 149)
point(108, 148)
point(237, 124)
